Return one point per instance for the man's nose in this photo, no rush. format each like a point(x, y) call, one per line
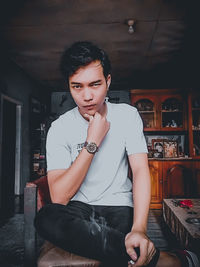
point(88, 94)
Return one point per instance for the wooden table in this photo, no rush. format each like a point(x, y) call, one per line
point(176, 217)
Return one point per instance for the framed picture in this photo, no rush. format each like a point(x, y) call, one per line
point(170, 149)
point(157, 146)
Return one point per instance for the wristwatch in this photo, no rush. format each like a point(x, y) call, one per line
point(91, 147)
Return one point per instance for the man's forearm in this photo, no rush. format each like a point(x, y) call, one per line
point(142, 197)
point(65, 183)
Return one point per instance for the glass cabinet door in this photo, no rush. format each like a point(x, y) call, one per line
point(147, 111)
point(196, 125)
point(172, 114)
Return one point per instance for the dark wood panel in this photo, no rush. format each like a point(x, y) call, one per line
point(113, 36)
point(177, 179)
point(168, 32)
point(172, 10)
point(155, 168)
point(87, 11)
point(196, 169)
point(41, 28)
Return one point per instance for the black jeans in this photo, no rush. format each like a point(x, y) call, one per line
point(96, 232)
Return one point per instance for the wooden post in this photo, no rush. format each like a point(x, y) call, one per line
point(30, 209)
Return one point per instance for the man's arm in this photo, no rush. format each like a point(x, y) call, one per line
point(141, 196)
point(141, 190)
point(64, 184)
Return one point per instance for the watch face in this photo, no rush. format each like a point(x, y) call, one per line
point(91, 147)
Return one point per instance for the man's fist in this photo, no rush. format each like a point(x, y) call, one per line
point(97, 129)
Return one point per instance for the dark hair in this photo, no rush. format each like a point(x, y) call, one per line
point(82, 54)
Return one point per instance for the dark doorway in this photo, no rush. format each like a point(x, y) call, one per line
point(8, 158)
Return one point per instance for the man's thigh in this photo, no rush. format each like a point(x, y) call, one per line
point(117, 217)
point(55, 217)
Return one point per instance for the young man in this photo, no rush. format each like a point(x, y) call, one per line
point(88, 149)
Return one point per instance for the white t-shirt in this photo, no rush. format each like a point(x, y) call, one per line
point(106, 182)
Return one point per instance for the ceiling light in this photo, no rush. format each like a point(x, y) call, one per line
point(131, 23)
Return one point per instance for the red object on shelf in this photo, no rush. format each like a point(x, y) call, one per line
point(186, 203)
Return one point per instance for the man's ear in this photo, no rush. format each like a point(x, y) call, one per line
point(108, 81)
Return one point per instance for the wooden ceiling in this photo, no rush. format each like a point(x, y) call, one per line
point(161, 53)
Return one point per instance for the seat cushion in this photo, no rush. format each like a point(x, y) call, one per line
point(52, 256)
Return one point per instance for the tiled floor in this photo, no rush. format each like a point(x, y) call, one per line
point(159, 232)
point(11, 242)
point(12, 247)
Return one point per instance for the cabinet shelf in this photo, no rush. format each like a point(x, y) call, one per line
point(194, 123)
point(195, 109)
point(39, 160)
point(171, 111)
point(145, 111)
point(38, 148)
point(173, 129)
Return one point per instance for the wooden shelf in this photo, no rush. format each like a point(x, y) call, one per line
point(168, 174)
point(171, 111)
point(173, 129)
point(146, 111)
point(195, 109)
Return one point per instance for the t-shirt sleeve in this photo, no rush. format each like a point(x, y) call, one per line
point(57, 152)
point(135, 140)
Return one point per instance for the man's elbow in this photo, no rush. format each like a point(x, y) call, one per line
point(57, 199)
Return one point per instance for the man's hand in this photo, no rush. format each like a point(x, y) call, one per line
point(98, 128)
point(147, 250)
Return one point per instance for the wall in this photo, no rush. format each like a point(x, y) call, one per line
point(15, 83)
point(62, 101)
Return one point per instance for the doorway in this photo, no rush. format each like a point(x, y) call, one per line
point(10, 154)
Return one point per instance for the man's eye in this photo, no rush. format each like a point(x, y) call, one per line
point(76, 86)
point(95, 84)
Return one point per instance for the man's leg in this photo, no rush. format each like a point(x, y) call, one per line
point(121, 219)
point(86, 230)
point(77, 228)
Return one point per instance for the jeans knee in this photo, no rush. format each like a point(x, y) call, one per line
point(47, 220)
point(43, 219)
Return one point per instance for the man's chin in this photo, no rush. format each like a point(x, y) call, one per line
point(88, 112)
point(91, 112)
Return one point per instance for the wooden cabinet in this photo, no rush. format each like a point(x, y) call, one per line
point(173, 115)
point(161, 110)
point(173, 179)
point(196, 170)
point(155, 168)
point(194, 123)
point(38, 160)
point(148, 109)
point(37, 139)
point(163, 113)
point(178, 179)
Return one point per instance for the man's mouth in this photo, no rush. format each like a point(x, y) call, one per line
point(90, 106)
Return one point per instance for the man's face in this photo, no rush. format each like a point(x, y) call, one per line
point(88, 88)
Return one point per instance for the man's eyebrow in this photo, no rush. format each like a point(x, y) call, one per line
point(97, 81)
point(75, 83)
